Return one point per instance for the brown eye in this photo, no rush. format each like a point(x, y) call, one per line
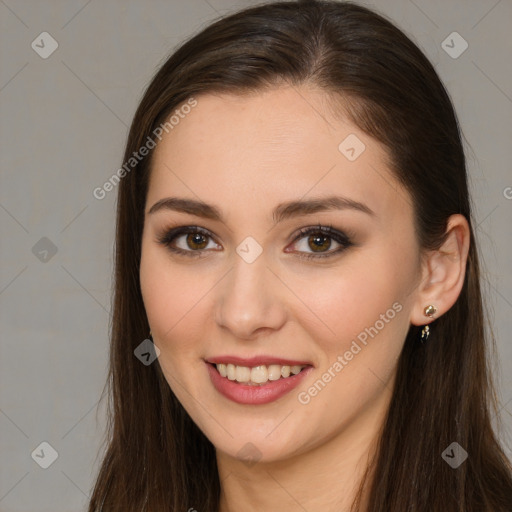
point(319, 242)
point(319, 239)
point(196, 241)
point(188, 240)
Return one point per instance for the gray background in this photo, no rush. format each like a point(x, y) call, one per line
point(64, 120)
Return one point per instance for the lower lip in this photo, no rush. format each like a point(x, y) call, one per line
point(255, 395)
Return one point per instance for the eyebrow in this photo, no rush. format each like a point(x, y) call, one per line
point(281, 212)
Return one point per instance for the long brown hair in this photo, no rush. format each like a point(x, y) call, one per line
point(156, 458)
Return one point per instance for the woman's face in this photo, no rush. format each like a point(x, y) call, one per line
point(246, 288)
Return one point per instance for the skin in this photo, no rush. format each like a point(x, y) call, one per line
point(246, 154)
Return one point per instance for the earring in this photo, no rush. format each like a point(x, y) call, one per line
point(150, 335)
point(429, 311)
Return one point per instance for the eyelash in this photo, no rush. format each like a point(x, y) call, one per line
point(343, 239)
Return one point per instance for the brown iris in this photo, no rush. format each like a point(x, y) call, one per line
point(319, 242)
point(197, 241)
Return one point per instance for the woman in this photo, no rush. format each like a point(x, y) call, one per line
point(294, 230)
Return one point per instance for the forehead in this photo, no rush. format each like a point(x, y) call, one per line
point(249, 152)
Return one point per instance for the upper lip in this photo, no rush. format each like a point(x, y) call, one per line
point(256, 361)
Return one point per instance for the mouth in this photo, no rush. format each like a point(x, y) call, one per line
point(258, 380)
point(257, 375)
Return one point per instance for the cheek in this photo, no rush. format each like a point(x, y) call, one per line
point(172, 297)
point(166, 302)
point(367, 319)
point(363, 307)
point(348, 300)
point(174, 300)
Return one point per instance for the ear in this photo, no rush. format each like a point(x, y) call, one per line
point(443, 272)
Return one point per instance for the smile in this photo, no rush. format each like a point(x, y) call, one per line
point(258, 384)
point(257, 375)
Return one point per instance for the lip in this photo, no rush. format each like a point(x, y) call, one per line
point(256, 361)
point(255, 395)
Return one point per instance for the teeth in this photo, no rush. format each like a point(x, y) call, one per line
point(222, 369)
point(257, 374)
point(242, 374)
point(274, 372)
point(230, 370)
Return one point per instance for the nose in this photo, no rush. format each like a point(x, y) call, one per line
point(251, 300)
